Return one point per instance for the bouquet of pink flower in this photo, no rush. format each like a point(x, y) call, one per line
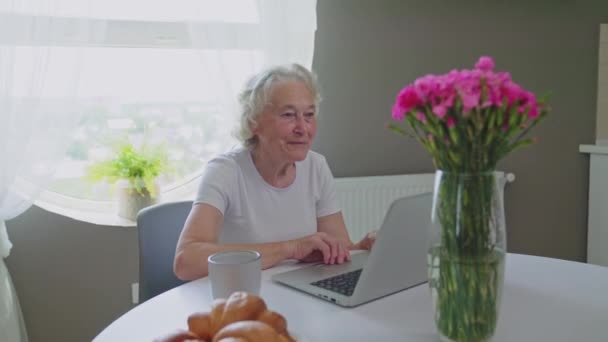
point(468, 119)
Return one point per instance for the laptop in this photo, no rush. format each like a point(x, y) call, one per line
point(396, 262)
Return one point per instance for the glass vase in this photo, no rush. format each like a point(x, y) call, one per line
point(466, 256)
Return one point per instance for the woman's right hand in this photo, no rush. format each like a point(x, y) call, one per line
point(367, 242)
point(319, 246)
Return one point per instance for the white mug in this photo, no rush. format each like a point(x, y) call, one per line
point(232, 271)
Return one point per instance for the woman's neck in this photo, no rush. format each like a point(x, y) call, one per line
point(277, 173)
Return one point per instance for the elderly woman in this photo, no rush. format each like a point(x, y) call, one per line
point(273, 195)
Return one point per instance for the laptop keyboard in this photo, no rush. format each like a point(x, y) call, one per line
point(342, 283)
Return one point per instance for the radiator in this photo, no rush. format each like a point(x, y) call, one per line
point(365, 200)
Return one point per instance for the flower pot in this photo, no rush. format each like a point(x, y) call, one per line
point(466, 255)
point(130, 201)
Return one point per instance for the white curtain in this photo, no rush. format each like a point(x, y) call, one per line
point(36, 117)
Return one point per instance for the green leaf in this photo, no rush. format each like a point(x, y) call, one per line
point(399, 130)
point(453, 133)
point(137, 167)
point(520, 144)
point(544, 98)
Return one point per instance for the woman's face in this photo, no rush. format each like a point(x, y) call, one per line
point(288, 124)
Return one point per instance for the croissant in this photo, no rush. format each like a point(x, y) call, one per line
point(249, 331)
point(242, 316)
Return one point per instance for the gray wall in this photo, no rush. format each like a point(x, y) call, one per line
point(73, 278)
point(368, 50)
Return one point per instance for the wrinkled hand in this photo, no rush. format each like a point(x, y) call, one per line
point(320, 247)
point(367, 242)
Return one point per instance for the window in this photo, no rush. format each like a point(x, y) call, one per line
point(152, 72)
point(148, 96)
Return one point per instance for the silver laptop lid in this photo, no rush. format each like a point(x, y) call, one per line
point(398, 258)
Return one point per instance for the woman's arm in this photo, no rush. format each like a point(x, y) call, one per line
point(334, 225)
point(198, 241)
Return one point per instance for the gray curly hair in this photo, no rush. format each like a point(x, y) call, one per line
point(256, 94)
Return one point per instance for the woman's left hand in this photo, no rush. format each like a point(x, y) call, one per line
point(367, 242)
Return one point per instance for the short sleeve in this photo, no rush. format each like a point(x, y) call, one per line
point(217, 184)
point(327, 203)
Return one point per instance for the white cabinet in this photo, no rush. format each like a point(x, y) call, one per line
point(597, 224)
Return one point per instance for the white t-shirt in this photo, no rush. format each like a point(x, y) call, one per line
point(255, 211)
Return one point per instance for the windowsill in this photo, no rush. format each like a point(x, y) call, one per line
point(98, 218)
point(105, 213)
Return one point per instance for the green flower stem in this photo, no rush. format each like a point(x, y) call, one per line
point(467, 284)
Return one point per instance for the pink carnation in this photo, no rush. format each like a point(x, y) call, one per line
point(406, 101)
point(439, 111)
point(450, 122)
point(511, 91)
point(533, 113)
point(485, 63)
point(423, 86)
point(529, 103)
point(397, 112)
point(477, 88)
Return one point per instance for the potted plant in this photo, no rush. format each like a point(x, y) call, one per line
point(134, 173)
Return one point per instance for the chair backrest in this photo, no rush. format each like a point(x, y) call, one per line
point(158, 230)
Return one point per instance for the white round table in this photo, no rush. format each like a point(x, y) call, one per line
point(543, 300)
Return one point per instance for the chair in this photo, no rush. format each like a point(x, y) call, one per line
point(158, 230)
